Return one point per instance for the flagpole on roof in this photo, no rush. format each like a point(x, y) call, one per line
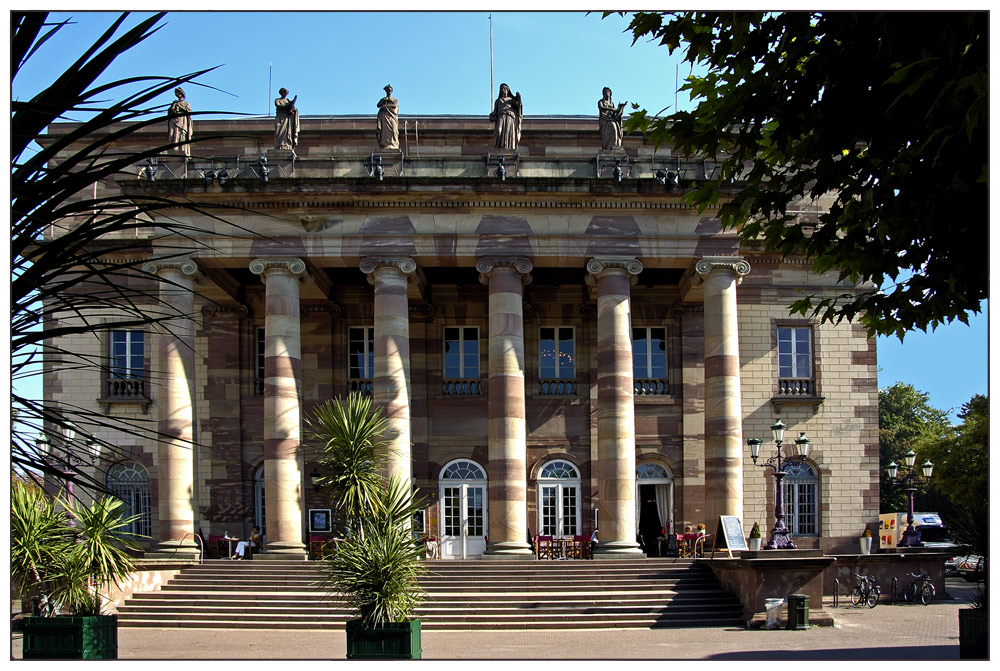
point(268, 108)
point(491, 61)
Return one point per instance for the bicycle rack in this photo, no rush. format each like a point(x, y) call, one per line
point(836, 592)
point(892, 590)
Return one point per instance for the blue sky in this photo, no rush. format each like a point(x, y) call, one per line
point(439, 63)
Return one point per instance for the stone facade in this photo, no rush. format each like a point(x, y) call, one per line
point(545, 277)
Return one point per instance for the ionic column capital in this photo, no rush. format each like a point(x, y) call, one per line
point(598, 265)
point(185, 266)
point(732, 264)
point(519, 264)
point(267, 266)
point(405, 265)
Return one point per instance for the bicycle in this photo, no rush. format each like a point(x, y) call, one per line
point(921, 586)
point(866, 591)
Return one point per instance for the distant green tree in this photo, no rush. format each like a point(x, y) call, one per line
point(857, 138)
point(962, 461)
point(906, 422)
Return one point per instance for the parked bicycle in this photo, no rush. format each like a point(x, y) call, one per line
point(921, 588)
point(866, 591)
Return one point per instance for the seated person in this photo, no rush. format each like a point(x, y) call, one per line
point(253, 543)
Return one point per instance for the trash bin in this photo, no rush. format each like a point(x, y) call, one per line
point(772, 606)
point(798, 611)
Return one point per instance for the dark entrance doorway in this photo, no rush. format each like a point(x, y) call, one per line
point(650, 527)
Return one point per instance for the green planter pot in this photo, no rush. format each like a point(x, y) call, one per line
point(392, 640)
point(973, 633)
point(70, 637)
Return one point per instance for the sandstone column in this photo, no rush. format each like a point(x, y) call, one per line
point(391, 384)
point(615, 406)
point(175, 407)
point(723, 408)
point(507, 442)
point(282, 406)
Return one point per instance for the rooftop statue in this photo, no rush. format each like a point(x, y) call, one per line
point(610, 120)
point(180, 128)
point(286, 121)
point(506, 117)
point(387, 122)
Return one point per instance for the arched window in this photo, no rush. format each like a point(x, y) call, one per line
point(463, 469)
point(651, 471)
point(801, 486)
point(559, 499)
point(129, 481)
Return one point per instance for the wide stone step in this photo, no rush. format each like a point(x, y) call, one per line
point(459, 595)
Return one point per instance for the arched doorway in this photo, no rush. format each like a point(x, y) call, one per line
point(654, 501)
point(129, 481)
point(559, 499)
point(462, 493)
point(259, 509)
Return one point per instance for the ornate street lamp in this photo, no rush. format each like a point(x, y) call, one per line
point(910, 539)
point(779, 534)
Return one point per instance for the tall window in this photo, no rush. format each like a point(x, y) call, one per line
point(127, 365)
point(649, 361)
point(795, 367)
point(361, 358)
point(556, 361)
point(800, 485)
point(258, 374)
point(129, 481)
point(461, 361)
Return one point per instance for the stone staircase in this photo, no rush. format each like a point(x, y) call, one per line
point(460, 595)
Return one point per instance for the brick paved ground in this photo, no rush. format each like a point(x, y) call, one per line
point(886, 632)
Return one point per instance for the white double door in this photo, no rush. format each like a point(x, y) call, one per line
point(463, 520)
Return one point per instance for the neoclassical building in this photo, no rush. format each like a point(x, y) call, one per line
point(559, 342)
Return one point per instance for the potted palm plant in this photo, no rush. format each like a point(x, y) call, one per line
point(68, 567)
point(755, 537)
point(376, 567)
point(971, 532)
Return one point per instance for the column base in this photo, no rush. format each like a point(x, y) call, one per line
point(186, 549)
point(511, 550)
point(283, 551)
point(618, 550)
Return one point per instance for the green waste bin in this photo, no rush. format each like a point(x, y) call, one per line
point(798, 611)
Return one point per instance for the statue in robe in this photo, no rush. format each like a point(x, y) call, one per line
point(610, 121)
point(180, 128)
point(387, 122)
point(506, 117)
point(286, 121)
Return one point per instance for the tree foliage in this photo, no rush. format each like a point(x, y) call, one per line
point(962, 461)
point(858, 139)
point(906, 422)
point(74, 249)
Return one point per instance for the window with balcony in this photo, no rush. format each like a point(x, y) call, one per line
point(126, 365)
point(461, 361)
point(361, 359)
point(795, 361)
point(649, 361)
point(556, 361)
